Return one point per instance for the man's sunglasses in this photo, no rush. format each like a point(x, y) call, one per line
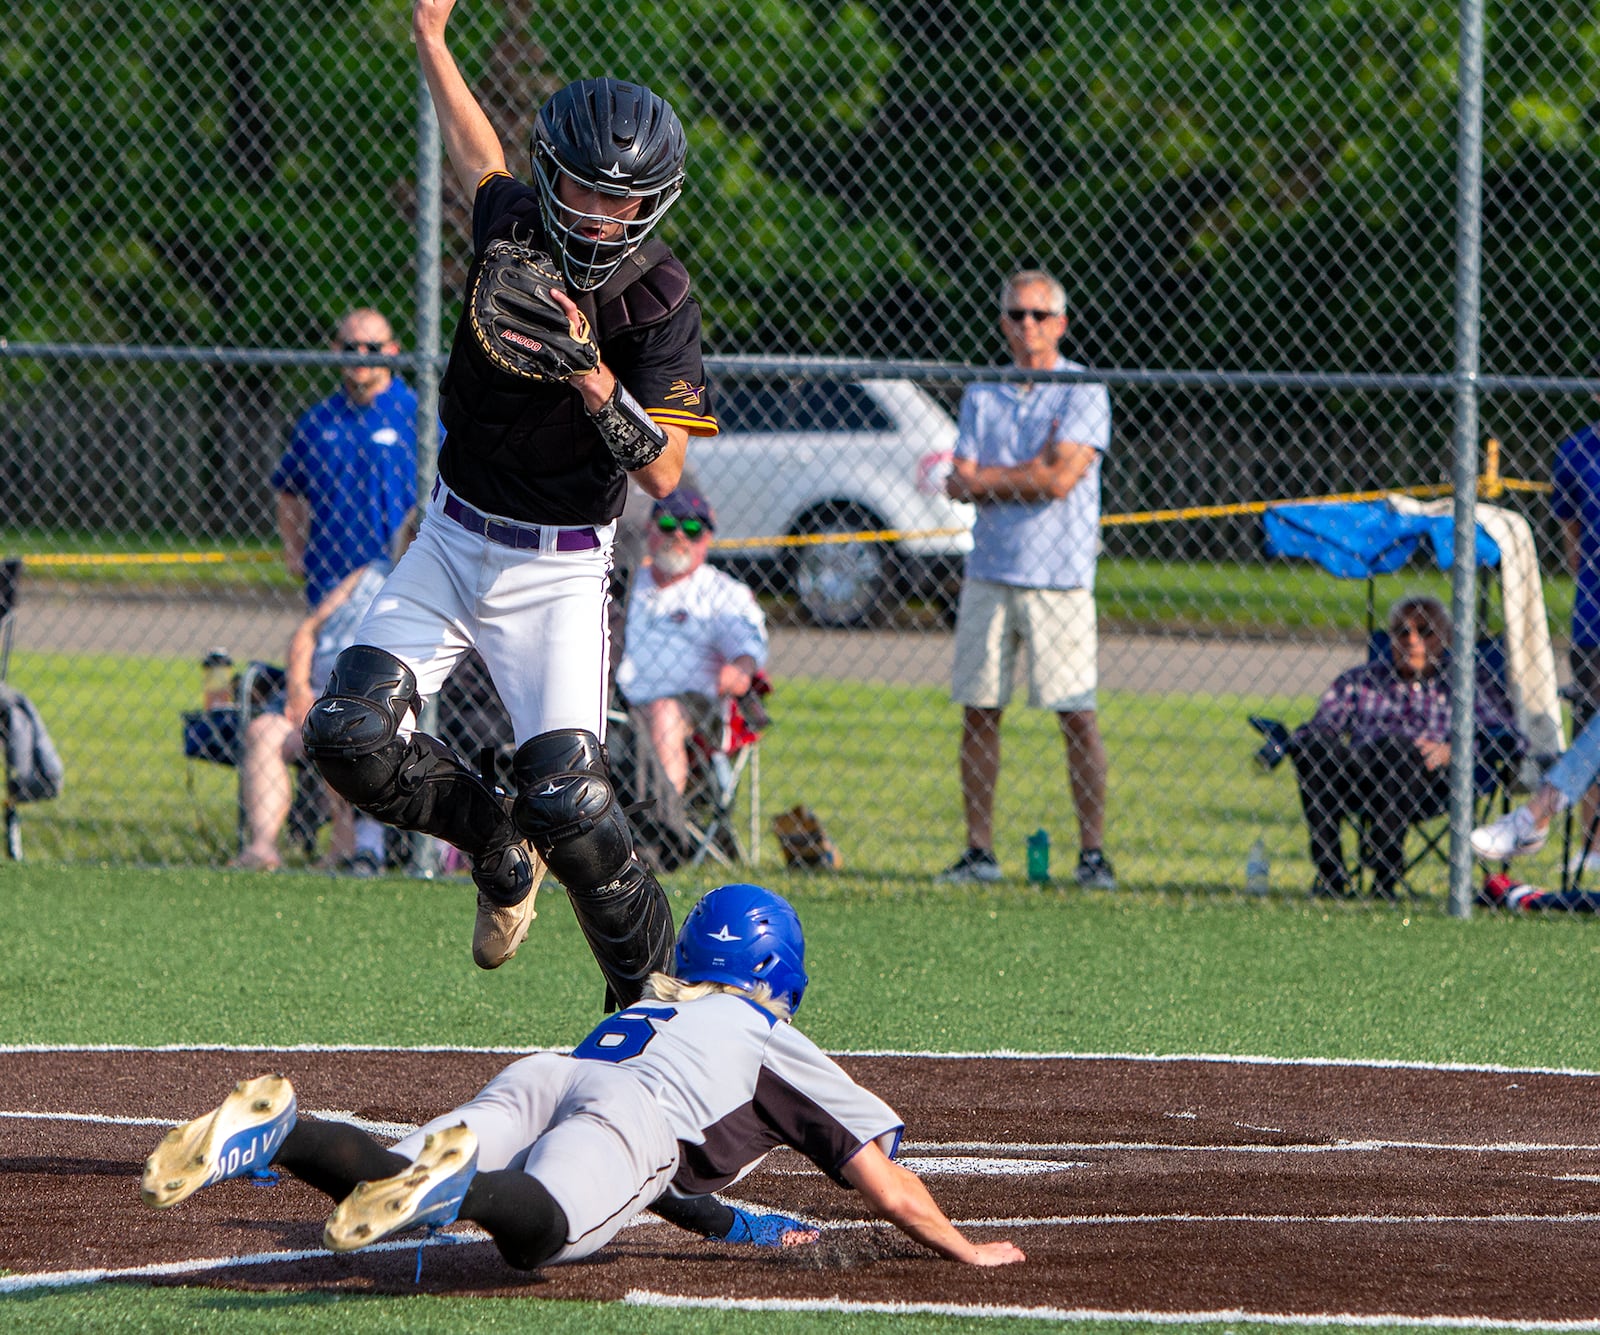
point(1017, 314)
point(349, 345)
point(692, 528)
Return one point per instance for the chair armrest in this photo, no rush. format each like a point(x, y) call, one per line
point(1276, 746)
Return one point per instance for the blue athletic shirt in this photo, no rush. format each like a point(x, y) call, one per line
point(1575, 495)
point(357, 470)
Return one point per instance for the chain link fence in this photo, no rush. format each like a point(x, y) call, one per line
point(1253, 209)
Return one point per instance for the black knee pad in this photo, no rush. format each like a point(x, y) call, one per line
point(567, 809)
point(367, 697)
point(350, 735)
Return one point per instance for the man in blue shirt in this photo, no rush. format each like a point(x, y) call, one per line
point(1575, 501)
point(1028, 456)
point(349, 476)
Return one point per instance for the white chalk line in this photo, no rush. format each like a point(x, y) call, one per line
point(966, 1153)
point(395, 1129)
point(647, 1298)
point(994, 1054)
point(203, 1265)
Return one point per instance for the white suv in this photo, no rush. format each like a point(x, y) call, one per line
point(802, 456)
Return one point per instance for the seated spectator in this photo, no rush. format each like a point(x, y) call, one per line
point(1378, 747)
point(272, 743)
point(694, 636)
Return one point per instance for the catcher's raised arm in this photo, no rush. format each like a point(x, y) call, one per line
point(469, 140)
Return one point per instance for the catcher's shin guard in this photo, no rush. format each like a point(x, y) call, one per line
point(567, 809)
point(417, 784)
point(628, 925)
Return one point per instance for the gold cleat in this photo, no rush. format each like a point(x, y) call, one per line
point(239, 1136)
point(499, 930)
point(426, 1195)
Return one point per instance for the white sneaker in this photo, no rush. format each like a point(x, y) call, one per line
point(1581, 861)
point(1514, 835)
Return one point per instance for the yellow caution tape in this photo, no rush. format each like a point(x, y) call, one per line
point(1489, 486)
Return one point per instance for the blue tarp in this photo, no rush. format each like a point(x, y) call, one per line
point(1359, 539)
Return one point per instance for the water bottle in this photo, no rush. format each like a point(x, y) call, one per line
point(1257, 869)
point(1039, 856)
point(216, 679)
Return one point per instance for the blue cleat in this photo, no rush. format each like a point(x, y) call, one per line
point(426, 1195)
point(238, 1137)
point(769, 1230)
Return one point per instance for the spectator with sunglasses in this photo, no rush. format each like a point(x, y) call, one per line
point(695, 636)
point(1028, 457)
point(349, 475)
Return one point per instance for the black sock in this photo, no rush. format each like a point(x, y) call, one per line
point(519, 1214)
point(334, 1156)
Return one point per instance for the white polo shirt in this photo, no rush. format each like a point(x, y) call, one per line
point(679, 636)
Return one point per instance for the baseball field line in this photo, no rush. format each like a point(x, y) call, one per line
point(1000, 1153)
point(647, 1298)
point(17, 1283)
point(999, 1054)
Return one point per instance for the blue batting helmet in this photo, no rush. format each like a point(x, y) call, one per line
point(743, 935)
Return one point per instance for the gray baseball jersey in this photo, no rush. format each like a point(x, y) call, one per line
point(679, 1096)
point(735, 1082)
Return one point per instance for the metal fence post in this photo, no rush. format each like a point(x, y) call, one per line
point(1468, 315)
point(427, 853)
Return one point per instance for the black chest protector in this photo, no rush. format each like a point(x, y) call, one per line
point(537, 440)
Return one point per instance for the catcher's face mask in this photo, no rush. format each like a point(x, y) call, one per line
point(597, 142)
point(594, 222)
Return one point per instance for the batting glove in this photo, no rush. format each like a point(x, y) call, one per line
point(768, 1230)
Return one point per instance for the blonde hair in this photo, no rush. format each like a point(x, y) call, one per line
point(664, 987)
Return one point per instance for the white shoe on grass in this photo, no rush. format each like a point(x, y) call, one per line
point(1514, 835)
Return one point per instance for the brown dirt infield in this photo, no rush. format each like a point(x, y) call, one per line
point(1152, 1186)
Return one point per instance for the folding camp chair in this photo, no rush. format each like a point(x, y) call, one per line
point(1494, 777)
point(1365, 540)
point(216, 736)
point(718, 767)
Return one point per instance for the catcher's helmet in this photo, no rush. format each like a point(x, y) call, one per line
point(614, 138)
point(744, 935)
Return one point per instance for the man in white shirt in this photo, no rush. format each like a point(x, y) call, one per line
point(695, 637)
point(1028, 457)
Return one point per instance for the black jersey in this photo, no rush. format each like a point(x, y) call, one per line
point(529, 451)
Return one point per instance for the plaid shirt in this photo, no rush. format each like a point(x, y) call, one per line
point(1374, 701)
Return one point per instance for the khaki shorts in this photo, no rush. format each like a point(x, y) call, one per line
point(1055, 626)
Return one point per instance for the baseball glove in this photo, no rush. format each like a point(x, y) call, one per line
point(518, 323)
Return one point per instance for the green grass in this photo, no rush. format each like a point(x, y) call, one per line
point(1253, 598)
point(1272, 598)
point(208, 1312)
point(99, 949)
point(876, 762)
point(110, 955)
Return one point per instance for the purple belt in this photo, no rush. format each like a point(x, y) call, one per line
point(508, 533)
